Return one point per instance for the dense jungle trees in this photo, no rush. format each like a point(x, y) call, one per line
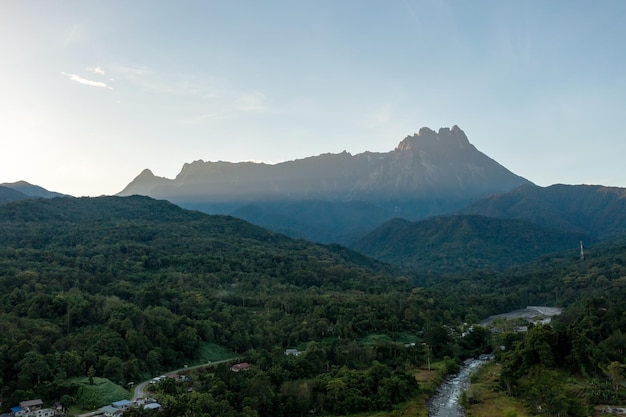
point(129, 288)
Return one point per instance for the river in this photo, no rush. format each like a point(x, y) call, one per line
point(445, 402)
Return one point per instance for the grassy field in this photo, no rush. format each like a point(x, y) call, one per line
point(102, 392)
point(212, 352)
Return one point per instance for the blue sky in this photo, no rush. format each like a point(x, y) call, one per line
point(93, 92)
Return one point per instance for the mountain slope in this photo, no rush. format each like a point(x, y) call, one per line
point(153, 234)
point(31, 190)
point(8, 194)
point(461, 243)
point(130, 286)
point(591, 209)
point(428, 173)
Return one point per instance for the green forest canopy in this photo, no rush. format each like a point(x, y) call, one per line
point(132, 287)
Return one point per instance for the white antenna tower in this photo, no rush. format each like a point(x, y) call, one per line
point(582, 251)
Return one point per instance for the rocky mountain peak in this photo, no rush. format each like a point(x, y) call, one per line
point(144, 183)
point(146, 173)
point(427, 138)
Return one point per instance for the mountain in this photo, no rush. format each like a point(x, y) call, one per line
point(8, 194)
point(144, 234)
point(595, 210)
point(340, 197)
point(464, 242)
point(30, 190)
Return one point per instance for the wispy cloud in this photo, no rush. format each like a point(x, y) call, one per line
point(95, 70)
point(85, 81)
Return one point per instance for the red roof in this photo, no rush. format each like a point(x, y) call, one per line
point(240, 366)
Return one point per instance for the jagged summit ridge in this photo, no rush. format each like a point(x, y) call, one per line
point(427, 137)
point(423, 165)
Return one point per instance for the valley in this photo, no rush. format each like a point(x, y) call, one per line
point(332, 304)
point(128, 288)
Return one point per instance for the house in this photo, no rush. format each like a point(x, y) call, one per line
point(122, 404)
point(294, 352)
point(152, 406)
point(244, 366)
point(31, 405)
point(31, 408)
point(110, 411)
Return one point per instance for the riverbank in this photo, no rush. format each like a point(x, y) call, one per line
point(450, 398)
point(484, 398)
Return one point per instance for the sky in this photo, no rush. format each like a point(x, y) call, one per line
point(93, 92)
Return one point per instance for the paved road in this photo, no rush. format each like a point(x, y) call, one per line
point(140, 389)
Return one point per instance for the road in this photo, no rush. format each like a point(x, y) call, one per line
point(140, 389)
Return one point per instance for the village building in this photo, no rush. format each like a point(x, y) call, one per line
point(110, 411)
point(122, 404)
point(32, 408)
point(244, 366)
point(152, 406)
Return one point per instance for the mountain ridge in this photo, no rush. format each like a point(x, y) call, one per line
point(597, 210)
point(29, 190)
point(457, 243)
point(428, 173)
point(427, 163)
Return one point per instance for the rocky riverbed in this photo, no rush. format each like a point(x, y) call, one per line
point(445, 402)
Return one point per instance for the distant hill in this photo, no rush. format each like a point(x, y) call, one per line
point(28, 190)
point(8, 194)
point(595, 210)
point(464, 242)
point(160, 235)
point(340, 197)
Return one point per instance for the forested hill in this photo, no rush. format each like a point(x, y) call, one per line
point(129, 287)
point(8, 194)
point(596, 210)
point(141, 235)
point(463, 243)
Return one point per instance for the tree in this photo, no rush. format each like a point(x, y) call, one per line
point(91, 372)
point(72, 363)
point(114, 369)
point(33, 368)
point(615, 370)
point(261, 392)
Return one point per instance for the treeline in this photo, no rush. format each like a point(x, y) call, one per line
point(287, 385)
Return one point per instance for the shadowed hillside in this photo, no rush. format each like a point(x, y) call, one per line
point(462, 243)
